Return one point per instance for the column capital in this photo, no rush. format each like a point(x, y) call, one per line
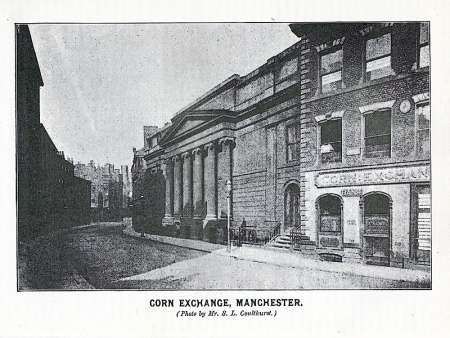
point(186, 155)
point(210, 147)
point(197, 150)
point(176, 158)
point(227, 140)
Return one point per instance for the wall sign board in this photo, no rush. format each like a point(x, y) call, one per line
point(374, 176)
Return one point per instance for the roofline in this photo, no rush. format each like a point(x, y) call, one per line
point(224, 85)
point(34, 56)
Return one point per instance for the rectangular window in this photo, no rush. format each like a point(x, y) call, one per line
point(377, 134)
point(423, 129)
point(424, 45)
point(331, 141)
point(331, 71)
point(292, 142)
point(378, 57)
point(421, 226)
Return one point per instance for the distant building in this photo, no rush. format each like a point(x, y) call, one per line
point(110, 190)
point(48, 195)
point(148, 182)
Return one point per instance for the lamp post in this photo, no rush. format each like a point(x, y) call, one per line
point(141, 214)
point(228, 213)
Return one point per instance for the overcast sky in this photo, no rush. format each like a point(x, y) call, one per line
point(103, 83)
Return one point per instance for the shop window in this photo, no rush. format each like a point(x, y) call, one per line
point(376, 214)
point(377, 134)
point(423, 129)
point(331, 71)
point(424, 45)
point(330, 214)
point(378, 57)
point(331, 141)
point(293, 142)
point(423, 234)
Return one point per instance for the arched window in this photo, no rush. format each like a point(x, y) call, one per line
point(377, 223)
point(330, 213)
point(376, 214)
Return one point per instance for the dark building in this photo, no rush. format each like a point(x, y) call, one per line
point(327, 146)
point(148, 183)
point(28, 129)
point(49, 197)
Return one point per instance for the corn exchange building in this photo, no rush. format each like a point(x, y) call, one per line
point(327, 147)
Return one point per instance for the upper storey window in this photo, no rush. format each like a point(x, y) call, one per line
point(423, 128)
point(292, 142)
point(331, 141)
point(378, 57)
point(377, 130)
point(424, 45)
point(331, 71)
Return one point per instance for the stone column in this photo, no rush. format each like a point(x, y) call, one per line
point(210, 181)
point(197, 182)
point(224, 173)
point(168, 174)
point(187, 184)
point(177, 189)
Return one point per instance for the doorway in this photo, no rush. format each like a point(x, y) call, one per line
point(291, 206)
point(376, 214)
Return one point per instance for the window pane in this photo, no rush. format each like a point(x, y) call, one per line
point(424, 32)
point(378, 134)
point(378, 46)
point(423, 142)
point(331, 62)
point(423, 116)
point(331, 131)
point(330, 223)
point(379, 68)
point(424, 57)
point(330, 213)
point(376, 214)
point(331, 152)
point(379, 146)
point(292, 153)
point(291, 132)
point(378, 123)
point(331, 82)
point(376, 204)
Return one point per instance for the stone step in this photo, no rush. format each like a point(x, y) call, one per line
point(308, 247)
point(279, 245)
point(308, 242)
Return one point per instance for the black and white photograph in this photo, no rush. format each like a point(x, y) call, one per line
point(223, 155)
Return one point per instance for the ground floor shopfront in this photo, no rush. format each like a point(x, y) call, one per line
point(379, 215)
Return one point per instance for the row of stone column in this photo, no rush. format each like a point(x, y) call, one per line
point(190, 174)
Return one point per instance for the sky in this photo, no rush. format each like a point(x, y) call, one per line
point(103, 83)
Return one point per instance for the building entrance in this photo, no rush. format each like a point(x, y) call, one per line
point(291, 206)
point(376, 215)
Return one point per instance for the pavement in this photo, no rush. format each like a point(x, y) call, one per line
point(182, 242)
point(219, 260)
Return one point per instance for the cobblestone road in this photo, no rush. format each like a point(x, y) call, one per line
point(102, 257)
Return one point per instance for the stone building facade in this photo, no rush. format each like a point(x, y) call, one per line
point(365, 159)
point(237, 132)
point(331, 136)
